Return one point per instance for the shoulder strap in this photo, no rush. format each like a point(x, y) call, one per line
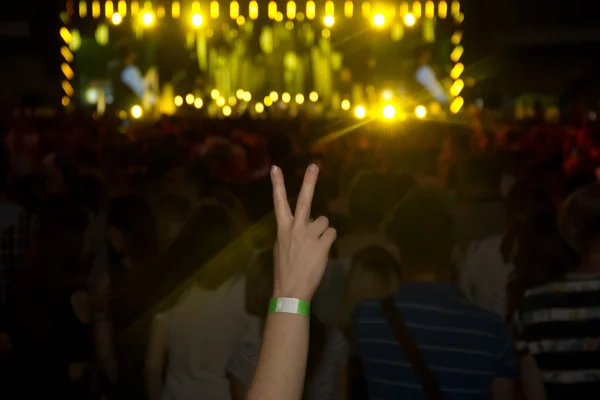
point(411, 351)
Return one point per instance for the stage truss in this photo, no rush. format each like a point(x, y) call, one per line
point(230, 88)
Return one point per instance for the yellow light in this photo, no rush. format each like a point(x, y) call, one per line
point(272, 10)
point(239, 94)
point(389, 111)
point(456, 53)
point(387, 94)
point(241, 20)
point(457, 87)
point(314, 97)
point(66, 53)
point(345, 104)
point(176, 9)
point(460, 18)
point(409, 19)
point(214, 94)
point(197, 20)
point(214, 9)
point(366, 9)
point(300, 16)
point(456, 105)
point(135, 8)
point(148, 18)
point(109, 9)
point(378, 20)
point(227, 111)
point(442, 9)
point(189, 99)
point(268, 102)
point(329, 20)
point(457, 70)
point(195, 7)
point(65, 101)
point(274, 96)
point(360, 112)
point(349, 9)
point(137, 112)
point(420, 112)
point(455, 8)
point(68, 89)
point(416, 9)
point(122, 8)
point(429, 9)
point(67, 71)
point(404, 8)
point(259, 107)
point(232, 101)
point(286, 97)
point(291, 10)
point(326, 33)
point(311, 9)
point(234, 9)
point(116, 19)
point(279, 16)
point(65, 35)
point(456, 38)
point(82, 9)
point(247, 97)
point(329, 7)
point(300, 98)
point(253, 9)
point(221, 101)
point(289, 25)
point(178, 100)
point(96, 9)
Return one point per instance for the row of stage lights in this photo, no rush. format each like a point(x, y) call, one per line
point(388, 111)
point(379, 16)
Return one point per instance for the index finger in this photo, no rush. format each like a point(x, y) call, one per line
point(307, 192)
point(283, 214)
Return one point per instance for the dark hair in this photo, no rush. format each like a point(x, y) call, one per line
point(375, 259)
point(259, 289)
point(424, 230)
point(131, 215)
point(370, 199)
point(541, 256)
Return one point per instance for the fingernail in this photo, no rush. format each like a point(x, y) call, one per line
point(313, 168)
point(274, 169)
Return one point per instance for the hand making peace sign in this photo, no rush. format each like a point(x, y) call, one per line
point(302, 246)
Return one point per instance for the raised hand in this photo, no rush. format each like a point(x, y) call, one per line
point(302, 245)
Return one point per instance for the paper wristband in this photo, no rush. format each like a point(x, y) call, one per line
point(289, 306)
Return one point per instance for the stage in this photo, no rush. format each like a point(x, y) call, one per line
point(277, 58)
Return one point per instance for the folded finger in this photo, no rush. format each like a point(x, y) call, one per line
point(318, 227)
point(306, 194)
point(283, 214)
point(329, 237)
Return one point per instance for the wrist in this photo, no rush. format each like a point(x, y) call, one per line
point(293, 294)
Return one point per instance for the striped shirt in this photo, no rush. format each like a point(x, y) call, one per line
point(465, 346)
point(559, 324)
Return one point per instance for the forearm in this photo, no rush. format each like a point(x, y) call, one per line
point(282, 363)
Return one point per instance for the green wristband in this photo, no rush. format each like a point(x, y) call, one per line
point(289, 305)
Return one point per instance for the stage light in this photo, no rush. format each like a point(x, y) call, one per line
point(291, 10)
point(247, 97)
point(259, 107)
point(409, 20)
point(137, 112)
point(389, 111)
point(253, 9)
point(326, 33)
point(221, 101)
point(197, 20)
point(214, 9)
point(227, 111)
point(91, 96)
point(310, 9)
point(360, 112)
point(329, 20)
point(387, 94)
point(239, 94)
point(122, 8)
point(378, 20)
point(279, 16)
point(286, 97)
point(65, 101)
point(300, 98)
point(272, 10)
point(189, 99)
point(109, 8)
point(232, 101)
point(314, 97)
point(345, 104)
point(234, 9)
point(456, 53)
point(457, 70)
point(214, 94)
point(116, 19)
point(241, 20)
point(442, 9)
point(329, 7)
point(348, 9)
point(268, 102)
point(178, 100)
point(175, 9)
point(198, 103)
point(274, 96)
point(420, 112)
point(148, 18)
point(457, 87)
point(456, 105)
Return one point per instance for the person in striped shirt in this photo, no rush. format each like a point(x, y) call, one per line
point(468, 349)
